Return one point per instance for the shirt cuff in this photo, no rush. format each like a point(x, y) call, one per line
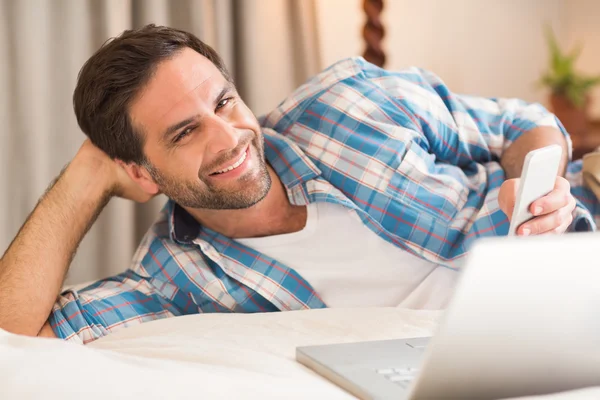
point(582, 220)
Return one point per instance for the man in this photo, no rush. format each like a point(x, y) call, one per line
point(364, 188)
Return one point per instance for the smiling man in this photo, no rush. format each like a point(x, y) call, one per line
point(365, 187)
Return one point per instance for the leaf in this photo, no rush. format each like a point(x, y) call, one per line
point(575, 95)
point(588, 83)
point(575, 53)
point(555, 52)
point(561, 76)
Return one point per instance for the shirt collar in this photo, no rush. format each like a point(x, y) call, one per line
point(290, 163)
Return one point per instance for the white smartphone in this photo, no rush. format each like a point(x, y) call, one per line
point(537, 180)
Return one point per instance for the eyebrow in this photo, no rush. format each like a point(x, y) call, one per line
point(174, 128)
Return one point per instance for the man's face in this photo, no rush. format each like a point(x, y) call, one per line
point(204, 146)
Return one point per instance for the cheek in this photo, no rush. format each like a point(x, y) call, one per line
point(243, 117)
point(186, 162)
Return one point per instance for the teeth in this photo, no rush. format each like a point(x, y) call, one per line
point(234, 166)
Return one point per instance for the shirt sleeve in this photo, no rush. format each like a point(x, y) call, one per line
point(462, 129)
point(110, 304)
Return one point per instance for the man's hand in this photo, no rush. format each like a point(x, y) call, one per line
point(120, 183)
point(553, 212)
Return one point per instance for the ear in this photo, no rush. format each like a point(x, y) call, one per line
point(140, 176)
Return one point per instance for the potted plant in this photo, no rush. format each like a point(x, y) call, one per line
point(569, 97)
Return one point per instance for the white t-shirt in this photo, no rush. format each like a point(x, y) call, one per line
point(350, 266)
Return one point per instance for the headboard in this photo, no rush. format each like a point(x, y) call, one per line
point(373, 32)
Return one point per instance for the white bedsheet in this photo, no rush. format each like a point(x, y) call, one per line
point(209, 356)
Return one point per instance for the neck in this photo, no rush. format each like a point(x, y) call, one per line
point(273, 215)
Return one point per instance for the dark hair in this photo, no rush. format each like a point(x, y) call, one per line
point(114, 76)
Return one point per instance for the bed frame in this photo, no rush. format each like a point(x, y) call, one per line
point(373, 32)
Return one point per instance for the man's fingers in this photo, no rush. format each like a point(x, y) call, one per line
point(555, 222)
point(555, 200)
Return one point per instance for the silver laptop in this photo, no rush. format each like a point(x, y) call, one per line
point(524, 320)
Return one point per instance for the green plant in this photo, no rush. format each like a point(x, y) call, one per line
point(562, 78)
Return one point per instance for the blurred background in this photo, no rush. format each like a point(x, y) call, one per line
point(483, 47)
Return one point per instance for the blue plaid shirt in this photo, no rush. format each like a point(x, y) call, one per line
point(419, 164)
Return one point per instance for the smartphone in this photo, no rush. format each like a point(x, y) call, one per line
point(537, 180)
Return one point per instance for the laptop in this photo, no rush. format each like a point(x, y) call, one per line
point(524, 320)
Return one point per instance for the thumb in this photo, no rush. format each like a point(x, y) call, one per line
point(507, 196)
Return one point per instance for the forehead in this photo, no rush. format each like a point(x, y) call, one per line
point(168, 91)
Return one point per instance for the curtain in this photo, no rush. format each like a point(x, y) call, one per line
point(270, 46)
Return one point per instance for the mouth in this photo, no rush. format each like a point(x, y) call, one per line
point(236, 167)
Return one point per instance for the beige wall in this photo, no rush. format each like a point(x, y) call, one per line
point(340, 24)
point(484, 47)
point(582, 24)
point(265, 25)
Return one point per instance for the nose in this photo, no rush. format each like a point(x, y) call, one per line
point(223, 136)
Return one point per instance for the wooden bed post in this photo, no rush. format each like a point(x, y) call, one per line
point(373, 32)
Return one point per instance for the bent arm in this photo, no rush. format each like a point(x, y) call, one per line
point(33, 268)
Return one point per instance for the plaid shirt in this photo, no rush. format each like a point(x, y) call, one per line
point(419, 164)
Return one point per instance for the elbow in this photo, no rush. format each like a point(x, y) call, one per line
point(17, 329)
point(45, 331)
point(22, 324)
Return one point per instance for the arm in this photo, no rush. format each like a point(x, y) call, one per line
point(33, 268)
point(463, 130)
point(486, 129)
point(514, 156)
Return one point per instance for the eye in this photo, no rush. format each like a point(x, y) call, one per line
point(223, 103)
point(183, 134)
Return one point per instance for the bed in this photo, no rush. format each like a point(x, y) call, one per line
point(211, 356)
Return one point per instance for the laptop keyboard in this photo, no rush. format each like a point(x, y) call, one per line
point(400, 376)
